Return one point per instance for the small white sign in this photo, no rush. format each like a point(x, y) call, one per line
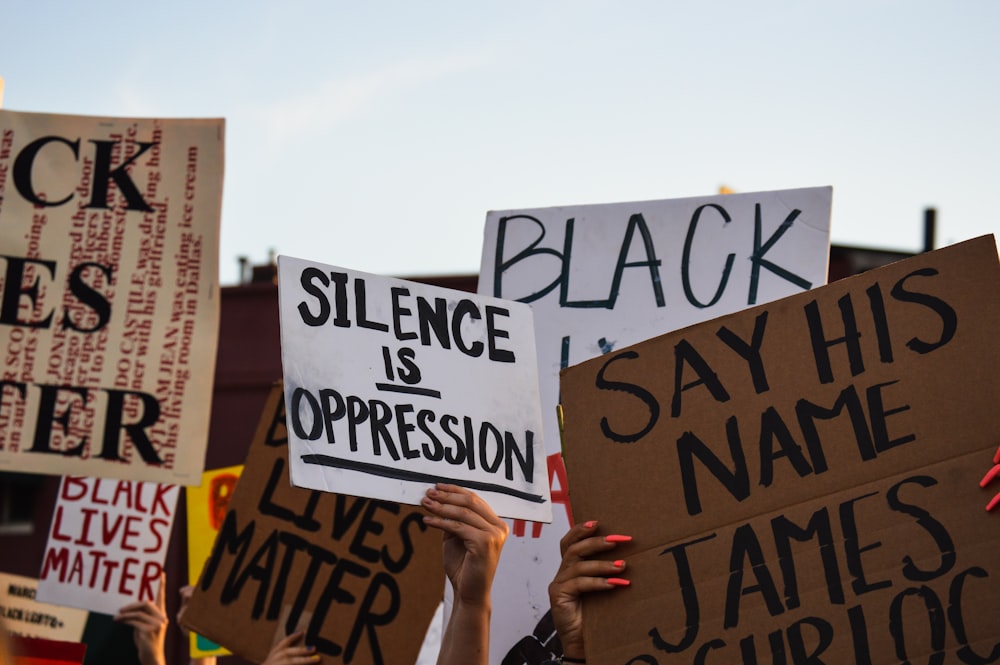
point(107, 543)
point(392, 386)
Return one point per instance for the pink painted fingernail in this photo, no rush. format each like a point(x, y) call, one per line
point(615, 538)
point(990, 475)
point(994, 503)
point(618, 581)
point(590, 524)
point(620, 563)
point(996, 457)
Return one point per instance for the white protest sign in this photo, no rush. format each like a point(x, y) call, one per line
point(109, 307)
point(391, 386)
point(107, 543)
point(600, 277)
point(22, 614)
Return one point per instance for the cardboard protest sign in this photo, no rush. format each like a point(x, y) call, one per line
point(109, 308)
point(600, 277)
point(801, 478)
point(391, 386)
point(22, 614)
point(107, 543)
point(40, 651)
point(206, 510)
point(360, 577)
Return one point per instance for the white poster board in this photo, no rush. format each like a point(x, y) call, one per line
point(600, 277)
point(391, 386)
point(109, 304)
point(107, 543)
point(22, 614)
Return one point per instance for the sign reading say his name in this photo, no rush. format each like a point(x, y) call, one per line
point(360, 577)
point(109, 305)
point(801, 478)
point(391, 386)
point(600, 277)
point(107, 543)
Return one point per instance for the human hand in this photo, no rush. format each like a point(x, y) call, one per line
point(185, 592)
point(287, 652)
point(578, 574)
point(149, 626)
point(473, 537)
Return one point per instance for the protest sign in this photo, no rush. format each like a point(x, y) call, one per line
point(600, 277)
point(107, 543)
point(206, 510)
point(360, 577)
point(40, 651)
point(391, 386)
point(801, 478)
point(22, 614)
point(109, 235)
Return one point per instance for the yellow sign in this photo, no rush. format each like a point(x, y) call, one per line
point(206, 508)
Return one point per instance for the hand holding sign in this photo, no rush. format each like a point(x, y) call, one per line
point(473, 538)
point(149, 622)
point(580, 573)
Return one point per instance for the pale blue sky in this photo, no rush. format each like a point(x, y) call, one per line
point(376, 135)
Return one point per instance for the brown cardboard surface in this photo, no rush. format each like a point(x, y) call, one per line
point(768, 526)
point(361, 577)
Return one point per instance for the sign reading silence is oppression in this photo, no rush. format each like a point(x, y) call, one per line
point(109, 305)
point(600, 277)
point(391, 386)
point(801, 478)
point(360, 577)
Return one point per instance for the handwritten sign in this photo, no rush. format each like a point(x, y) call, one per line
point(206, 510)
point(391, 386)
point(361, 577)
point(801, 478)
point(107, 543)
point(600, 277)
point(22, 614)
point(110, 296)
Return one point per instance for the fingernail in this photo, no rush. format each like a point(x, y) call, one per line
point(590, 524)
point(620, 563)
point(994, 503)
point(990, 475)
point(996, 457)
point(618, 581)
point(615, 538)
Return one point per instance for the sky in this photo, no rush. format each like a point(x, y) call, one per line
point(376, 135)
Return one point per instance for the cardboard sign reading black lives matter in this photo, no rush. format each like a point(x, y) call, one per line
point(391, 386)
point(801, 478)
point(360, 577)
point(109, 306)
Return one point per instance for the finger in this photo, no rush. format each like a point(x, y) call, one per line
point(461, 505)
point(473, 501)
point(161, 601)
point(288, 641)
point(587, 548)
point(589, 568)
point(577, 532)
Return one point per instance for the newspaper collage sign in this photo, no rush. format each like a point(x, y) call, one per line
point(109, 244)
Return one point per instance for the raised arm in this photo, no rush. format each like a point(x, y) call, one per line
point(473, 537)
